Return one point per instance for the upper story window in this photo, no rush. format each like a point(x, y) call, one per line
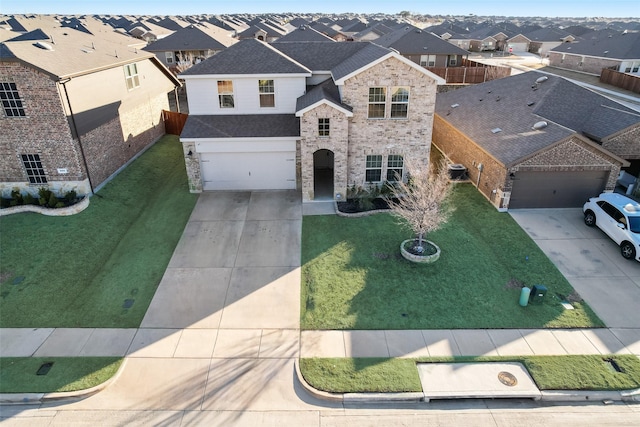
point(399, 102)
point(34, 169)
point(323, 127)
point(131, 76)
point(11, 102)
point(169, 56)
point(373, 168)
point(267, 93)
point(225, 93)
point(428, 60)
point(377, 102)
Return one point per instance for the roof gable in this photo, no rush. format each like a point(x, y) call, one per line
point(249, 56)
point(324, 93)
point(188, 38)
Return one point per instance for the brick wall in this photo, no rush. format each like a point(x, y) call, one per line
point(409, 137)
point(44, 131)
point(581, 63)
point(626, 144)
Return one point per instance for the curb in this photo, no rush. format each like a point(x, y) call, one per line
point(31, 398)
point(545, 395)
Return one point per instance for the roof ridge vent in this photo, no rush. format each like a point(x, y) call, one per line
point(43, 45)
point(540, 125)
point(542, 79)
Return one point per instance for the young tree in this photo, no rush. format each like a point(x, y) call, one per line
point(421, 200)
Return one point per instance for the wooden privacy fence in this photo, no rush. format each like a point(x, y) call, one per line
point(173, 122)
point(622, 80)
point(471, 72)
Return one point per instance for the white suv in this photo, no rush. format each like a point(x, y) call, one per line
point(619, 217)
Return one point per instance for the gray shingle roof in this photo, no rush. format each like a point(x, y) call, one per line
point(327, 91)
point(305, 34)
point(617, 46)
point(412, 40)
point(188, 38)
point(249, 56)
point(241, 126)
point(361, 58)
point(319, 56)
point(514, 104)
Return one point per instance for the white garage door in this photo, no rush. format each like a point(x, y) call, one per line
point(518, 47)
point(249, 171)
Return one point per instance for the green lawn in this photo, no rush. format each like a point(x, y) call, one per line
point(19, 374)
point(353, 276)
point(101, 267)
point(362, 375)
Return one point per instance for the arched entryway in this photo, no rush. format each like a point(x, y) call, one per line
point(323, 175)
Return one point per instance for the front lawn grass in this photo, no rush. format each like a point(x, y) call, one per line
point(101, 267)
point(353, 276)
point(367, 375)
point(19, 374)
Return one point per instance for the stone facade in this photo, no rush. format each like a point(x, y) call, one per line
point(353, 138)
point(625, 144)
point(572, 154)
point(192, 164)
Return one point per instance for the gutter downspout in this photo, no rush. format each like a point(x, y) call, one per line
point(75, 129)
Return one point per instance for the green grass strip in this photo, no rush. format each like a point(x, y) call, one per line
point(19, 374)
point(365, 375)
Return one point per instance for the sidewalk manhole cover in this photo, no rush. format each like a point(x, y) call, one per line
point(507, 379)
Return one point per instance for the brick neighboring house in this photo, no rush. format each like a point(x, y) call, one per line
point(597, 50)
point(76, 108)
point(314, 116)
point(533, 140)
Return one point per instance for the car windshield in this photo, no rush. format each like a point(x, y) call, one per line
point(634, 224)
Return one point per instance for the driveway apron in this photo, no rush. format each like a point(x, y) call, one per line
point(590, 261)
point(222, 331)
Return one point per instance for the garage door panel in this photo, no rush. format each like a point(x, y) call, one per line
point(248, 171)
point(555, 189)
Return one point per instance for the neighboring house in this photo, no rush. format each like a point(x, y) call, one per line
point(597, 50)
point(423, 48)
point(532, 140)
point(328, 31)
point(542, 40)
point(315, 116)
point(262, 31)
point(187, 46)
point(488, 38)
point(76, 107)
point(305, 34)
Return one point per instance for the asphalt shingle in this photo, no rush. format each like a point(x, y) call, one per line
point(241, 126)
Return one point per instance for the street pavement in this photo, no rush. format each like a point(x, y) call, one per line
point(219, 342)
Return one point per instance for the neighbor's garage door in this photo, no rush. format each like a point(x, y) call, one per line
point(555, 189)
point(518, 47)
point(249, 171)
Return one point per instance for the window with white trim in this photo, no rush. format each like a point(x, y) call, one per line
point(453, 61)
point(428, 60)
point(169, 57)
point(377, 102)
point(225, 94)
point(34, 169)
point(395, 167)
point(399, 102)
point(131, 76)
point(11, 102)
point(323, 127)
point(373, 168)
point(267, 93)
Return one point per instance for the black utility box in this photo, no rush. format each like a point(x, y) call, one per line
point(537, 294)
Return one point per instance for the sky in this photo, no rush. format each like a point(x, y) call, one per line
point(548, 8)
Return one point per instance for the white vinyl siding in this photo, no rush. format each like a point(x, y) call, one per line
point(202, 95)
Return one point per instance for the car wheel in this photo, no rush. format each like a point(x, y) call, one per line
point(627, 250)
point(589, 218)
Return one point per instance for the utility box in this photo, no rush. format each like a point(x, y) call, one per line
point(537, 294)
point(457, 171)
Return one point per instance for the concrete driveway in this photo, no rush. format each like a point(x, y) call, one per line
point(589, 260)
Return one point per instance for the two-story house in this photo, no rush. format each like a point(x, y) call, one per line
point(76, 107)
point(305, 115)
